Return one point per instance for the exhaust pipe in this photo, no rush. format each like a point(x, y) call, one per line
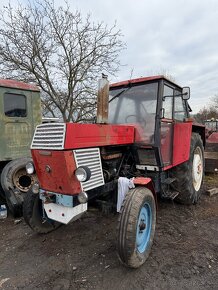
point(102, 100)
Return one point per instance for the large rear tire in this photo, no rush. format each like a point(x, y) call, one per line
point(136, 227)
point(34, 216)
point(15, 183)
point(2, 195)
point(189, 175)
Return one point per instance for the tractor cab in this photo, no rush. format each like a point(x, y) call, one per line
point(159, 111)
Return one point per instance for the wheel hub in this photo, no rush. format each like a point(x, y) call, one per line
point(197, 169)
point(23, 181)
point(144, 228)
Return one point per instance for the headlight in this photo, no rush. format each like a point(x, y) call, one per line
point(83, 197)
point(35, 188)
point(30, 168)
point(83, 173)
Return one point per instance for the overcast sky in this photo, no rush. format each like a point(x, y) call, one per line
point(179, 37)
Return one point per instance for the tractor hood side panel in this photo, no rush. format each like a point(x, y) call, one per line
point(96, 135)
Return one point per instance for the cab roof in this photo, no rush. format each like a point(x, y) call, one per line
point(18, 85)
point(141, 80)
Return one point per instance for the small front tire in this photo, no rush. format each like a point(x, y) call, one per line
point(136, 227)
point(35, 217)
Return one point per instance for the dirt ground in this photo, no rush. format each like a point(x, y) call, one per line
point(82, 255)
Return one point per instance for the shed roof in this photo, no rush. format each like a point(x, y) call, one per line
point(18, 85)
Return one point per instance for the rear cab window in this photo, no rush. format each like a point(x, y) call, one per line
point(15, 105)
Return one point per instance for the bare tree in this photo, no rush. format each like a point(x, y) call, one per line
point(206, 114)
point(215, 101)
point(61, 51)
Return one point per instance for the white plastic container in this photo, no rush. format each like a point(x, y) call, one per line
point(3, 211)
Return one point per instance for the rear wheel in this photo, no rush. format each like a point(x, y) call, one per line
point(2, 195)
point(15, 183)
point(136, 227)
point(34, 215)
point(2, 198)
point(189, 175)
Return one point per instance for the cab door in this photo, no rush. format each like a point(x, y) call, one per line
point(175, 131)
point(166, 140)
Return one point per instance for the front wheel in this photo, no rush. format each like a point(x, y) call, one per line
point(136, 227)
point(35, 216)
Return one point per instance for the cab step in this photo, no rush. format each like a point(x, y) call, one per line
point(170, 194)
point(169, 180)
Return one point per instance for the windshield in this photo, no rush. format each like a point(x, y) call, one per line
point(135, 105)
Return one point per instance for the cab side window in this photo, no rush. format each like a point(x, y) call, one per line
point(15, 105)
point(168, 102)
point(179, 107)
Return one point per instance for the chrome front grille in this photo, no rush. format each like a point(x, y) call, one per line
point(49, 136)
point(90, 157)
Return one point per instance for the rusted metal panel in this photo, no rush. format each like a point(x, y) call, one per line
point(213, 138)
point(211, 165)
point(18, 85)
point(102, 101)
point(211, 153)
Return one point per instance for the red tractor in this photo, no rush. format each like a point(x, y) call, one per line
point(143, 145)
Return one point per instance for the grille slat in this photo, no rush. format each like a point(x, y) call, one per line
point(50, 140)
point(90, 157)
point(90, 162)
point(49, 136)
point(49, 132)
point(78, 151)
point(94, 181)
point(87, 156)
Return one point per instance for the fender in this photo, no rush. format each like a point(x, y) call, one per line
point(147, 182)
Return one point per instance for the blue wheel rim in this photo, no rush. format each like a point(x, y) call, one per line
point(144, 226)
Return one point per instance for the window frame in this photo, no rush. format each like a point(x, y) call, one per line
point(15, 95)
point(172, 98)
point(176, 90)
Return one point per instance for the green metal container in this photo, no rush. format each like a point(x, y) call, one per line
point(20, 113)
